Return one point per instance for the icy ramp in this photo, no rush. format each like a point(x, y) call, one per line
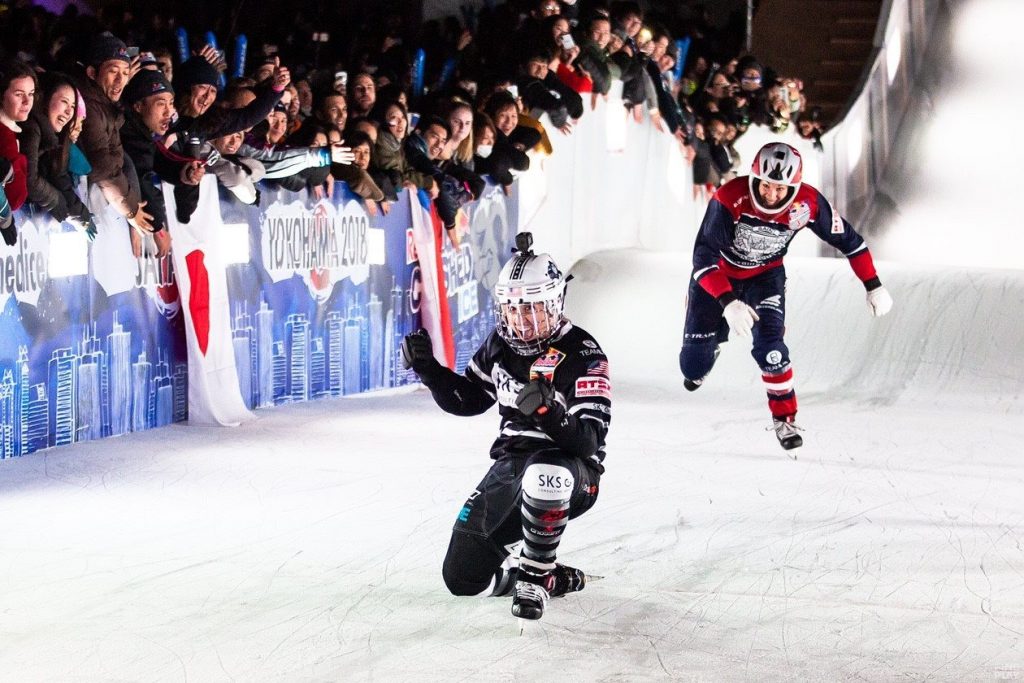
point(954, 338)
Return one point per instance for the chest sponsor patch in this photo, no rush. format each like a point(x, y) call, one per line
point(799, 215)
point(506, 386)
point(593, 386)
point(546, 364)
point(760, 242)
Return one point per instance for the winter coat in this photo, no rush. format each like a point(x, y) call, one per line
point(101, 142)
point(153, 163)
point(598, 65)
point(49, 187)
point(17, 187)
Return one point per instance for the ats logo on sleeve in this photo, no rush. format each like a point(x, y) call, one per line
point(593, 386)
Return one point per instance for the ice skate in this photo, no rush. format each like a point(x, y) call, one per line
point(567, 580)
point(529, 598)
point(786, 432)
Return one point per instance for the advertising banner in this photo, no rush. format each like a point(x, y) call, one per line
point(322, 297)
point(472, 258)
point(91, 339)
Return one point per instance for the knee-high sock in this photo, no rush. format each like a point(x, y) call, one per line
point(781, 395)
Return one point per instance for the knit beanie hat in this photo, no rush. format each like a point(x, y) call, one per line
point(195, 71)
point(144, 84)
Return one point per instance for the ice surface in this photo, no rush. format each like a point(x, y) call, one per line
point(308, 545)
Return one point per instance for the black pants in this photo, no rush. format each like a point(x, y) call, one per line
point(489, 524)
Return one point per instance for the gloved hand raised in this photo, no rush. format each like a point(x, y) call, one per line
point(418, 352)
point(537, 399)
point(879, 301)
point(741, 317)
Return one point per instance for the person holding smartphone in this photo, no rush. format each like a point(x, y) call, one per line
point(564, 66)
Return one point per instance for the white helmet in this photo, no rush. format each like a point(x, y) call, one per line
point(777, 163)
point(528, 297)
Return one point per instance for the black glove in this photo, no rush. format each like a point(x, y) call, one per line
point(10, 234)
point(418, 352)
point(537, 399)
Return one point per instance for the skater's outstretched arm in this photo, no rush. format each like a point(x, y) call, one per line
point(454, 393)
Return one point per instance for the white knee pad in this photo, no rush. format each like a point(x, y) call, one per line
point(547, 482)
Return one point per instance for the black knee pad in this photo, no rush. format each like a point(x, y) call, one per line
point(470, 564)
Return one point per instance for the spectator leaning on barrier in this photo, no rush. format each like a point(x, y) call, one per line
point(200, 122)
point(107, 73)
point(18, 86)
point(594, 58)
point(387, 153)
point(537, 96)
point(46, 142)
point(423, 148)
point(149, 108)
point(507, 155)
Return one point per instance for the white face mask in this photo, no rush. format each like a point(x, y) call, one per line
point(484, 151)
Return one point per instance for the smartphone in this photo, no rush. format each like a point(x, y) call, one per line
point(133, 51)
point(341, 77)
point(644, 36)
point(567, 42)
point(414, 118)
point(513, 90)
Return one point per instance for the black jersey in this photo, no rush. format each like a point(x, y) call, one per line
point(573, 363)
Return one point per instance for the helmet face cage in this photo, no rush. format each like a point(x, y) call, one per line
point(528, 298)
point(777, 163)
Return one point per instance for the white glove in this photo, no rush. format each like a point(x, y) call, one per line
point(342, 155)
point(879, 301)
point(741, 318)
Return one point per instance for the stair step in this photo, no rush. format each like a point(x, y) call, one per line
point(869, 22)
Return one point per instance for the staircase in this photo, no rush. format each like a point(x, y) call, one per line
point(825, 43)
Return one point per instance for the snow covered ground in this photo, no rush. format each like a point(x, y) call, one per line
point(308, 545)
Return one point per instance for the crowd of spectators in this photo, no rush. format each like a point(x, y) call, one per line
point(108, 98)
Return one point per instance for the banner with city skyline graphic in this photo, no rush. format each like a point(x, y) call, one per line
point(329, 292)
point(91, 338)
point(323, 302)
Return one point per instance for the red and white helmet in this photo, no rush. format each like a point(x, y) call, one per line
point(777, 163)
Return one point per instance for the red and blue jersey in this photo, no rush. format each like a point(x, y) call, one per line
point(738, 241)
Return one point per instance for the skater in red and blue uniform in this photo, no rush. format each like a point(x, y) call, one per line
point(739, 280)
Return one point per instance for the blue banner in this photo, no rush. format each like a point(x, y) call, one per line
point(328, 294)
point(486, 232)
point(91, 339)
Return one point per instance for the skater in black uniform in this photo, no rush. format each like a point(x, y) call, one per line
point(551, 382)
